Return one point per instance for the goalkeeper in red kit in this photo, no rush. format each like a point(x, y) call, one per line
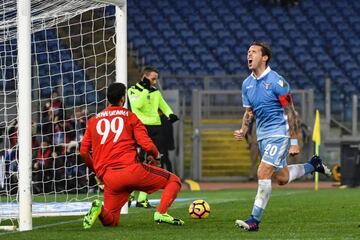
point(109, 149)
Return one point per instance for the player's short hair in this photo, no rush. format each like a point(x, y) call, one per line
point(115, 92)
point(265, 49)
point(149, 69)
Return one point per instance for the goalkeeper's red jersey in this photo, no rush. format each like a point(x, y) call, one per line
point(112, 136)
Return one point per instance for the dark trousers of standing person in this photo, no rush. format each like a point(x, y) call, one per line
point(157, 134)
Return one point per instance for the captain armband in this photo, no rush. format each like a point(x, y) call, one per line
point(285, 100)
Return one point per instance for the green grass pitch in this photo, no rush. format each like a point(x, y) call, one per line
point(290, 214)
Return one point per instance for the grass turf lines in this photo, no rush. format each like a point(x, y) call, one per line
point(291, 214)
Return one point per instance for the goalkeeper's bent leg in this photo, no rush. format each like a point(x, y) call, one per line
point(169, 194)
point(113, 202)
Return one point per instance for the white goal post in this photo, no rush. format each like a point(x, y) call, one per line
point(46, 46)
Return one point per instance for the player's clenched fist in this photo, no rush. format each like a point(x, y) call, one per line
point(239, 134)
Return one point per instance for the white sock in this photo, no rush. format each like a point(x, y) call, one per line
point(262, 198)
point(296, 171)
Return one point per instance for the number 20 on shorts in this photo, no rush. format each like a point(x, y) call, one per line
point(271, 149)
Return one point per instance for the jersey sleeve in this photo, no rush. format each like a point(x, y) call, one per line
point(281, 88)
point(164, 107)
point(141, 136)
point(282, 92)
point(245, 99)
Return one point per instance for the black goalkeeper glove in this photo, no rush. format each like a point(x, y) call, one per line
point(145, 82)
point(173, 118)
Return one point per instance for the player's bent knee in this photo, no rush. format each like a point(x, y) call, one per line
point(281, 177)
point(174, 178)
point(111, 221)
point(281, 182)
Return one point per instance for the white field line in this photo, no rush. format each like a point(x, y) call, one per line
point(216, 201)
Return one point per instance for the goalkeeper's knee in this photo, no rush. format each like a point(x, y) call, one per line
point(110, 219)
point(113, 223)
point(174, 178)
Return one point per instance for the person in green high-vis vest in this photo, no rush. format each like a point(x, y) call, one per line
point(145, 100)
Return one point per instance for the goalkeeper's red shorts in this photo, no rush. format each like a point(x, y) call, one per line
point(119, 183)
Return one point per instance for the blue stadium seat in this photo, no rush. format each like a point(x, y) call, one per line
point(201, 71)
point(217, 71)
point(44, 71)
point(349, 66)
point(40, 48)
point(355, 77)
point(44, 81)
point(139, 42)
point(208, 59)
point(42, 58)
point(39, 36)
point(193, 42)
point(200, 26)
point(193, 85)
point(169, 34)
point(170, 83)
point(54, 68)
point(226, 16)
point(55, 79)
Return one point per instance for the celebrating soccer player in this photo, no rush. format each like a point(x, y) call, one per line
point(266, 95)
point(109, 149)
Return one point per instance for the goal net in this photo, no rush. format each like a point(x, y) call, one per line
point(73, 47)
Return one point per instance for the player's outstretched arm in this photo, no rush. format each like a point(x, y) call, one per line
point(247, 119)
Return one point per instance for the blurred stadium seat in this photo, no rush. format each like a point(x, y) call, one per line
point(311, 41)
point(53, 59)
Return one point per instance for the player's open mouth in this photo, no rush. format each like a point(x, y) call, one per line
point(249, 61)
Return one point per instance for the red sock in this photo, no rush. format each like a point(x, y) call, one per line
point(168, 196)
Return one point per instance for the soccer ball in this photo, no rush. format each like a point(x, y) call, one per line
point(199, 209)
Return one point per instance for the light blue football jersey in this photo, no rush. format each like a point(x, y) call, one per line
point(262, 95)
